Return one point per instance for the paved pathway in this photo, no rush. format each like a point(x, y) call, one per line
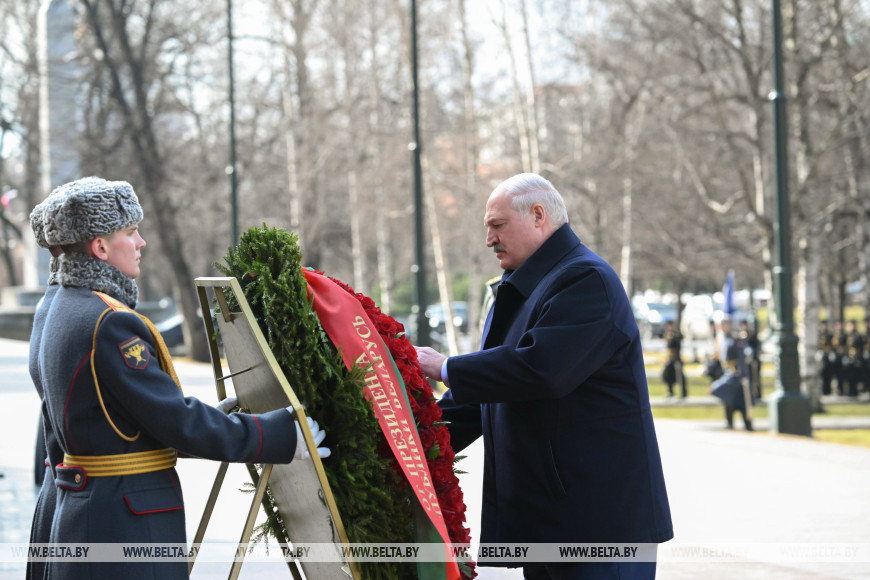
point(729, 490)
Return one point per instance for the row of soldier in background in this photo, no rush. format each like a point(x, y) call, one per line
point(734, 368)
point(845, 357)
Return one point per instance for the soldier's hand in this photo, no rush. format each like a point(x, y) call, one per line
point(228, 405)
point(318, 434)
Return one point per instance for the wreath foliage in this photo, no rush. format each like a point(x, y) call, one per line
point(370, 491)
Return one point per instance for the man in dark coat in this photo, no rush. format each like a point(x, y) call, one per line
point(558, 393)
point(113, 407)
point(752, 353)
point(733, 387)
point(673, 371)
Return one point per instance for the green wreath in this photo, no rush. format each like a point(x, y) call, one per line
point(370, 492)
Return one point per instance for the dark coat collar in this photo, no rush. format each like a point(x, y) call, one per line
point(525, 278)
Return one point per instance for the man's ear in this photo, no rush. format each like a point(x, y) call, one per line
point(98, 248)
point(539, 213)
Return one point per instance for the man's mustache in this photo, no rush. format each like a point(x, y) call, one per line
point(497, 248)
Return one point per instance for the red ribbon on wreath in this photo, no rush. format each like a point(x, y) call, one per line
point(357, 338)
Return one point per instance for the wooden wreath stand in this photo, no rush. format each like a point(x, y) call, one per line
point(300, 488)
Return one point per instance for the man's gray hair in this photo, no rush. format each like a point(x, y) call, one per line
point(527, 189)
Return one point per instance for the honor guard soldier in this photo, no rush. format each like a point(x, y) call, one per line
point(673, 371)
point(867, 353)
point(839, 354)
point(826, 356)
point(853, 367)
point(112, 404)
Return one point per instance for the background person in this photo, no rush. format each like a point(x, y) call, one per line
point(752, 354)
point(559, 394)
point(866, 357)
point(840, 351)
point(110, 395)
point(733, 387)
point(826, 356)
point(673, 371)
point(853, 359)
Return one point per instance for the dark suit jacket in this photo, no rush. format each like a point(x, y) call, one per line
point(559, 394)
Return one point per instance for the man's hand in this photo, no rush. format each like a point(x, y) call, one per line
point(430, 361)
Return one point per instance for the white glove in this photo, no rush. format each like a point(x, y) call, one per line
point(318, 434)
point(228, 405)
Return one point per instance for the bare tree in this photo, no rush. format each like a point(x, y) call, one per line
point(293, 22)
point(524, 115)
point(651, 116)
point(19, 124)
point(131, 67)
point(471, 150)
point(829, 141)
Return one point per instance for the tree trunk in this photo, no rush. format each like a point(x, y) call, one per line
point(520, 110)
point(293, 193)
point(356, 216)
point(809, 304)
point(353, 154)
point(382, 237)
point(126, 66)
point(442, 273)
point(531, 102)
point(625, 261)
point(475, 280)
point(297, 99)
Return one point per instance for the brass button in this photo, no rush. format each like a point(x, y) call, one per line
point(78, 477)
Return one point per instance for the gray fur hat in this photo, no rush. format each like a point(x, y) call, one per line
point(84, 209)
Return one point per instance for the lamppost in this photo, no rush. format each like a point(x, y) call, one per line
point(789, 409)
point(231, 167)
point(419, 269)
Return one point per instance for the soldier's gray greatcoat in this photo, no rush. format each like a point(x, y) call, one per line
point(150, 413)
point(95, 363)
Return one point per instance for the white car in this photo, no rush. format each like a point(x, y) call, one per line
point(696, 317)
point(701, 312)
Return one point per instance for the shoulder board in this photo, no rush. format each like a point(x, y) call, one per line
point(113, 303)
point(160, 345)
